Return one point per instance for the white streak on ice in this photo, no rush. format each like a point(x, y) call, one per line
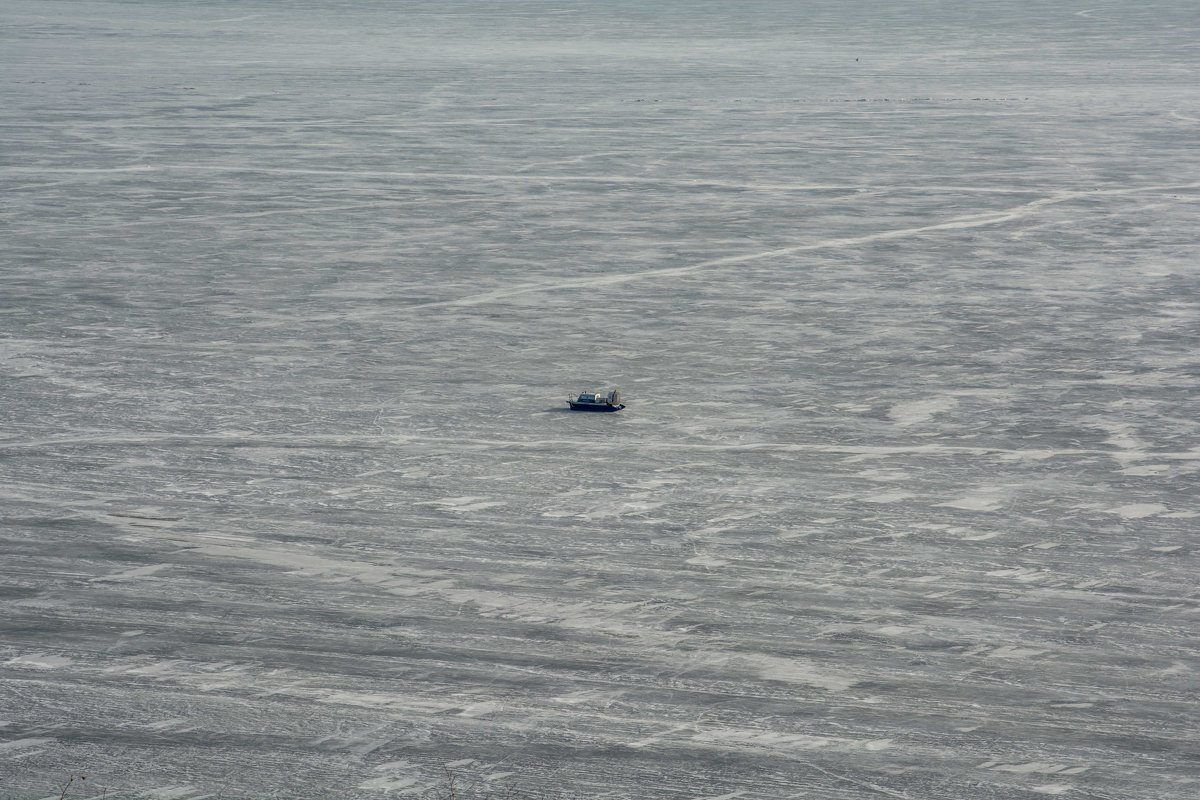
point(960, 223)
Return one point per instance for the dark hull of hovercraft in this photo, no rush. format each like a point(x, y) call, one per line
point(594, 406)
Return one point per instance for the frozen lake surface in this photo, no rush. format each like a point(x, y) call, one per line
point(904, 299)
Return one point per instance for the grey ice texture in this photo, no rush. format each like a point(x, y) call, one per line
point(904, 299)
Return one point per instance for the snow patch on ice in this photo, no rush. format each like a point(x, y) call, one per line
point(884, 475)
point(983, 500)
point(981, 537)
point(1138, 510)
point(170, 792)
point(789, 741)
point(887, 497)
point(39, 661)
point(916, 412)
point(480, 710)
point(703, 560)
point(463, 503)
point(786, 670)
point(389, 784)
point(1147, 470)
point(1011, 651)
point(136, 572)
point(895, 630)
point(21, 744)
point(1033, 767)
